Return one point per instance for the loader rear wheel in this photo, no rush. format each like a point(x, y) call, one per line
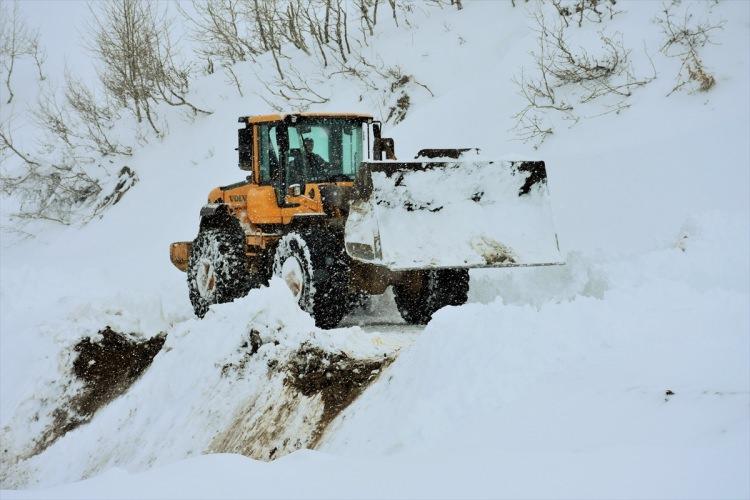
point(420, 294)
point(217, 269)
point(314, 266)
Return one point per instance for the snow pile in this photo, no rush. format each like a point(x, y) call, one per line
point(642, 373)
point(246, 379)
point(582, 374)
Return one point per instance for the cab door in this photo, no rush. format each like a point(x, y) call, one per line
point(301, 196)
point(262, 203)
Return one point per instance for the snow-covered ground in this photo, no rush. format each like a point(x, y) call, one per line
point(624, 374)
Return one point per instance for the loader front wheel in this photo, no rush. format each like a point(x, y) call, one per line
point(314, 266)
point(421, 293)
point(217, 269)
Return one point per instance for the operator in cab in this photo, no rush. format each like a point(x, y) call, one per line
point(316, 164)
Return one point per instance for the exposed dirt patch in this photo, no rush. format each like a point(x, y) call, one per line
point(336, 377)
point(107, 368)
point(302, 395)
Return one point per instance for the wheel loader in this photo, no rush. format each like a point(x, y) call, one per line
point(327, 207)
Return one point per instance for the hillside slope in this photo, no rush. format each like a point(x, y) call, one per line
point(624, 373)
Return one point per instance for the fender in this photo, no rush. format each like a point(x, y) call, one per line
point(214, 214)
point(212, 209)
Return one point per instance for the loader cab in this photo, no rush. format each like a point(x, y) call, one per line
point(294, 151)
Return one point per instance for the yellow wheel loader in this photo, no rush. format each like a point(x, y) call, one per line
point(328, 208)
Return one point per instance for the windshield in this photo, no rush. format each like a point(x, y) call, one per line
point(324, 149)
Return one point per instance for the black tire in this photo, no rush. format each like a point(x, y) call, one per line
point(313, 263)
point(217, 269)
point(422, 293)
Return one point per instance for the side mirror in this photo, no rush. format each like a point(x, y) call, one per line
point(245, 148)
point(294, 190)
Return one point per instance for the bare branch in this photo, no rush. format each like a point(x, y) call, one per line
point(584, 78)
point(16, 41)
point(684, 40)
point(221, 30)
point(6, 143)
point(234, 79)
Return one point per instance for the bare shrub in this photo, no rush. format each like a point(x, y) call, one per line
point(131, 39)
point(63, 179)
point(264, 15)
point(65, 182)
point(400, 86)
point(60, 178)
point(566, 78)
point(322, 31)
point(594, 11)
point(684, 38)
point(16, 41)
point(220, 30)
point(50, 115)
point(96, 119)
point(230, 31)
point(47, 191)
point(79, 127)
point(578, 11)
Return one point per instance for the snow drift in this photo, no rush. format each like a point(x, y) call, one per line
point(254, 377)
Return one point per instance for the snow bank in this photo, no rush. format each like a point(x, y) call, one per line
point(647, 378)
point(241, 380)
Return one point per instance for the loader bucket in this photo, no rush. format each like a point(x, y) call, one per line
point(452, 214)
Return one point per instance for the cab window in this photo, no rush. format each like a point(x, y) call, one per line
point(351, 149)
point(324, 150)
point(269, 153)
point(297, 168)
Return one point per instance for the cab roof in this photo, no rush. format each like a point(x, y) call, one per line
point(277, 117)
